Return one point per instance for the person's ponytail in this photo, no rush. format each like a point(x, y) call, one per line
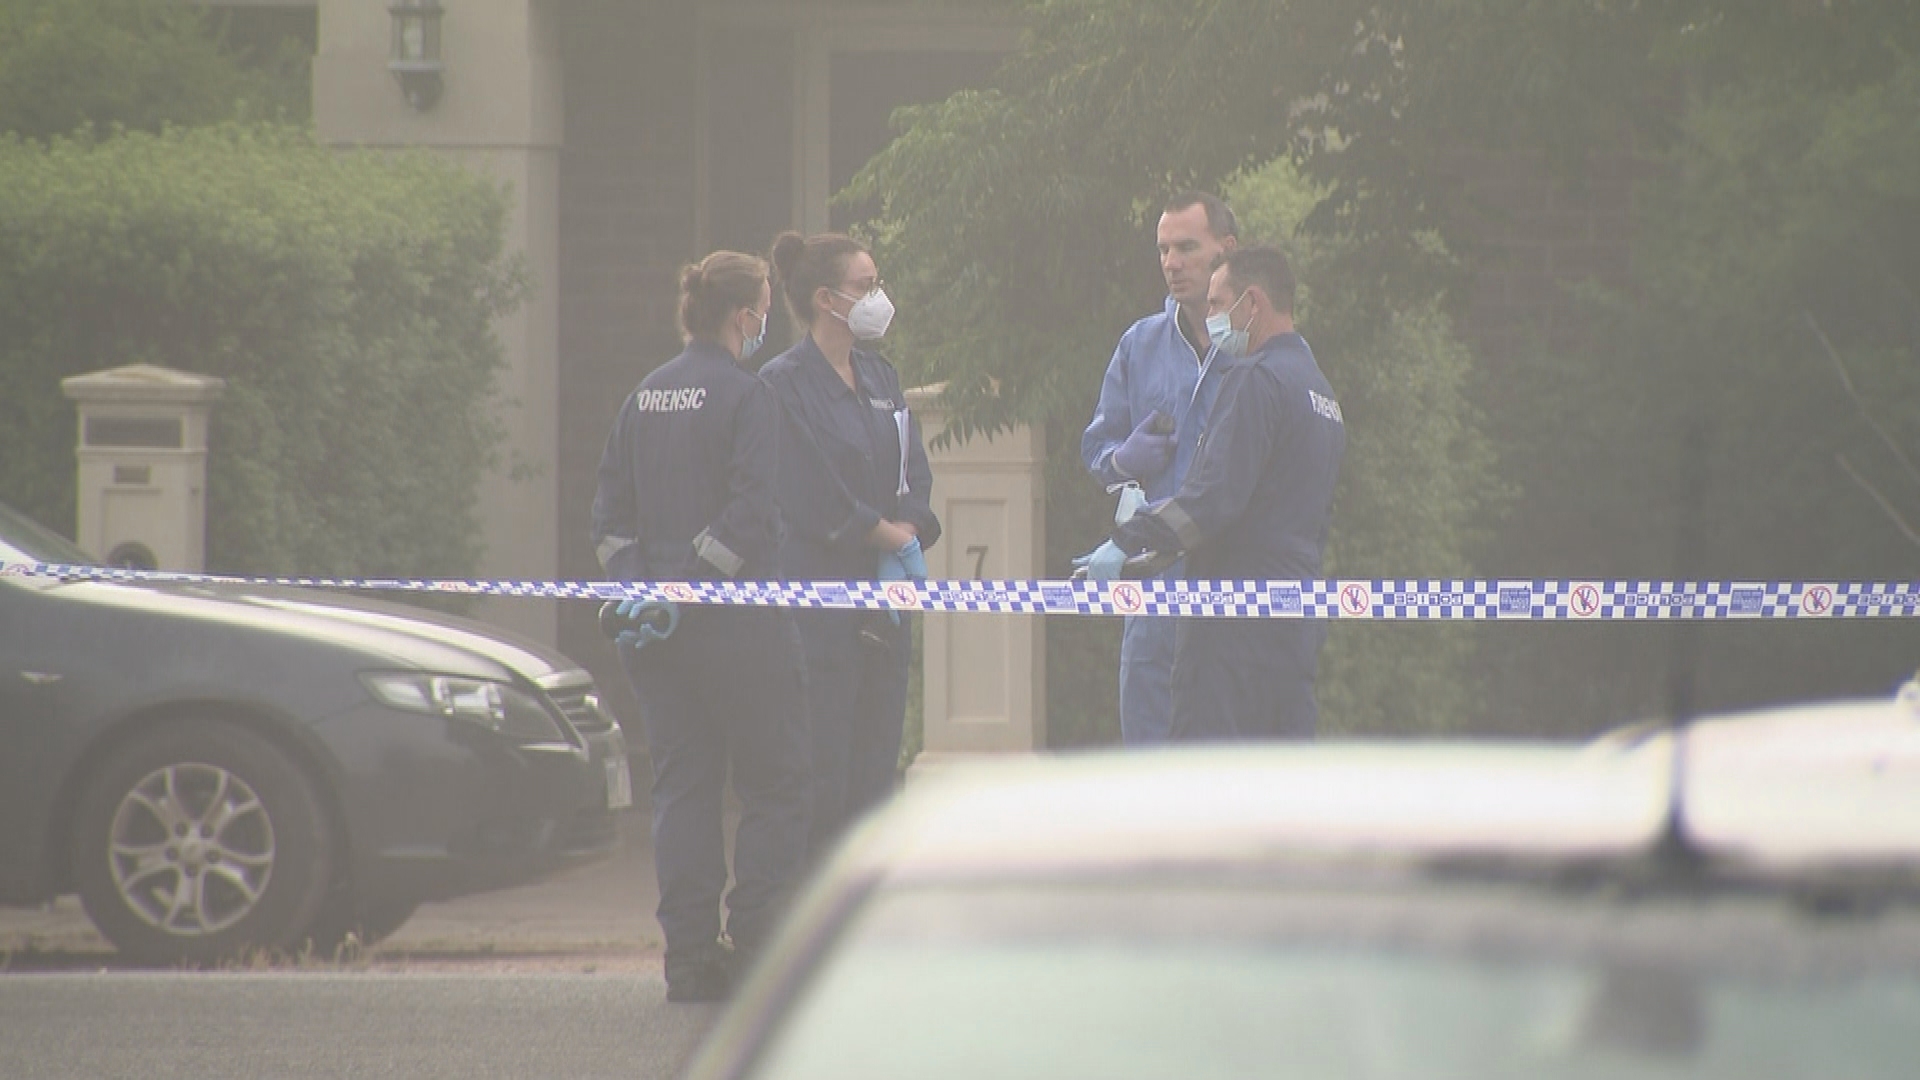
point(715, 287)
point(806, 263)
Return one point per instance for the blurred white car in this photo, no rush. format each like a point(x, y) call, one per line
point(1372, 911)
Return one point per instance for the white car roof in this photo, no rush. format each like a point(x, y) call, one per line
point(1832, 784)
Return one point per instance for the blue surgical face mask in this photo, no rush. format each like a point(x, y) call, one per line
point(1230, 342)
point(749, 346)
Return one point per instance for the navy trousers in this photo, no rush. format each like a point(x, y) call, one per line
point(727, 689)
point(857, 706)
point(1245, 679)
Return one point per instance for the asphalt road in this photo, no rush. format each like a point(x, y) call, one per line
point(242, 1026)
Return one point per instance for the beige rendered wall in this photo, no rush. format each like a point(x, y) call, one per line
point(985, 676)
point(500, 115)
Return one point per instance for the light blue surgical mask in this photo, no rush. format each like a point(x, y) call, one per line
point(749, 346)
point(1230, 342)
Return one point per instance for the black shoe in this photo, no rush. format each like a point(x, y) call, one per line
point(700, 975)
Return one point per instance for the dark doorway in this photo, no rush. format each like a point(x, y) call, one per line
point(868, 86)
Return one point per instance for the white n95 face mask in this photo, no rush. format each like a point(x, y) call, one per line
point(869, 316)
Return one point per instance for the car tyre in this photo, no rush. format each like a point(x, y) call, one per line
point(198, 841)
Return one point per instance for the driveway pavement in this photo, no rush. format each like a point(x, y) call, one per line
point(597, 917)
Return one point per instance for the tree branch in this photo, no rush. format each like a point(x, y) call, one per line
point(1846, 383)
point(1885, 506)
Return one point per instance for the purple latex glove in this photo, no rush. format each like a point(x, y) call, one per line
point(1148, 452)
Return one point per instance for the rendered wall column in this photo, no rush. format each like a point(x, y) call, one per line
point(985, 675)
point(500, 115)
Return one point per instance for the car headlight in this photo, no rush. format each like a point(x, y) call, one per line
point(494, 706)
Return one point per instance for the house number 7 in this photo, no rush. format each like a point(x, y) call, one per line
point(979, 553)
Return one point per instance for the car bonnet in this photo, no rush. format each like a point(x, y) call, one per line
point(402, 635)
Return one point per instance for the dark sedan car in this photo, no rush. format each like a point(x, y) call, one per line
point(215, 769)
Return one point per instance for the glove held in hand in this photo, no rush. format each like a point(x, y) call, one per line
point(1103, 563)
point(1147, 452)
point(635, 624)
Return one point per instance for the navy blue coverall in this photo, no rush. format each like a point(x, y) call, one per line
point(686, 493)
point(1256, 504)
point(859, 459)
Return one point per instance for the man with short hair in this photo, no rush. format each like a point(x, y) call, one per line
point(1256, 504)
point(1158, 390)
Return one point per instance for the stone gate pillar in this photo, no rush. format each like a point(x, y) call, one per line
point(142, 493)
point(985, 675)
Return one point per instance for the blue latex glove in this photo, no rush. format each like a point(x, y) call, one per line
point(1102, 563)
point(1133, 499)
point(1148, 452)
point(912, 560)
point(646, 617)
point(906, 564)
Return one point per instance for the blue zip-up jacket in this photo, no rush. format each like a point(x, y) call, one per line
point(1153, 369)
point(1259, 500)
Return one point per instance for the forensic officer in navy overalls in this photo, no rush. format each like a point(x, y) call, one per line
point(1154, 401)
point(857, 488)
point(686, 493)
point(1256, 504)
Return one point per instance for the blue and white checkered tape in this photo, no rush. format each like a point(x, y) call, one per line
point(1388, 599)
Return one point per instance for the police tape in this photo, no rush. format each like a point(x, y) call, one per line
point(1379, 599)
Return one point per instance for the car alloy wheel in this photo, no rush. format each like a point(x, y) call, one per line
point(196, 840)
point(191, 849)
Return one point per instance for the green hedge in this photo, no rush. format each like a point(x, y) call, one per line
point(347, 298)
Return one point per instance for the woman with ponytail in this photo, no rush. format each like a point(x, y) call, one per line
point(686, 493)
point(864, 453)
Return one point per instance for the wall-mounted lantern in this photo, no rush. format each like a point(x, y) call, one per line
point(415, 60)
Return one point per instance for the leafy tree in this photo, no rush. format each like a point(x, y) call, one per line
point(1016, 226)
point(132, 63)
point(1750, 406)
point(1700, 426)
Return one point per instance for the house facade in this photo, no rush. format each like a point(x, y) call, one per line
point(636, 135)
point(633, 136)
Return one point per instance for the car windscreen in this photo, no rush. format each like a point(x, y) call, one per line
point(23, 539)
point(1202, 982)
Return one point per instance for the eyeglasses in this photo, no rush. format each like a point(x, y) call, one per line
point(859, 289)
